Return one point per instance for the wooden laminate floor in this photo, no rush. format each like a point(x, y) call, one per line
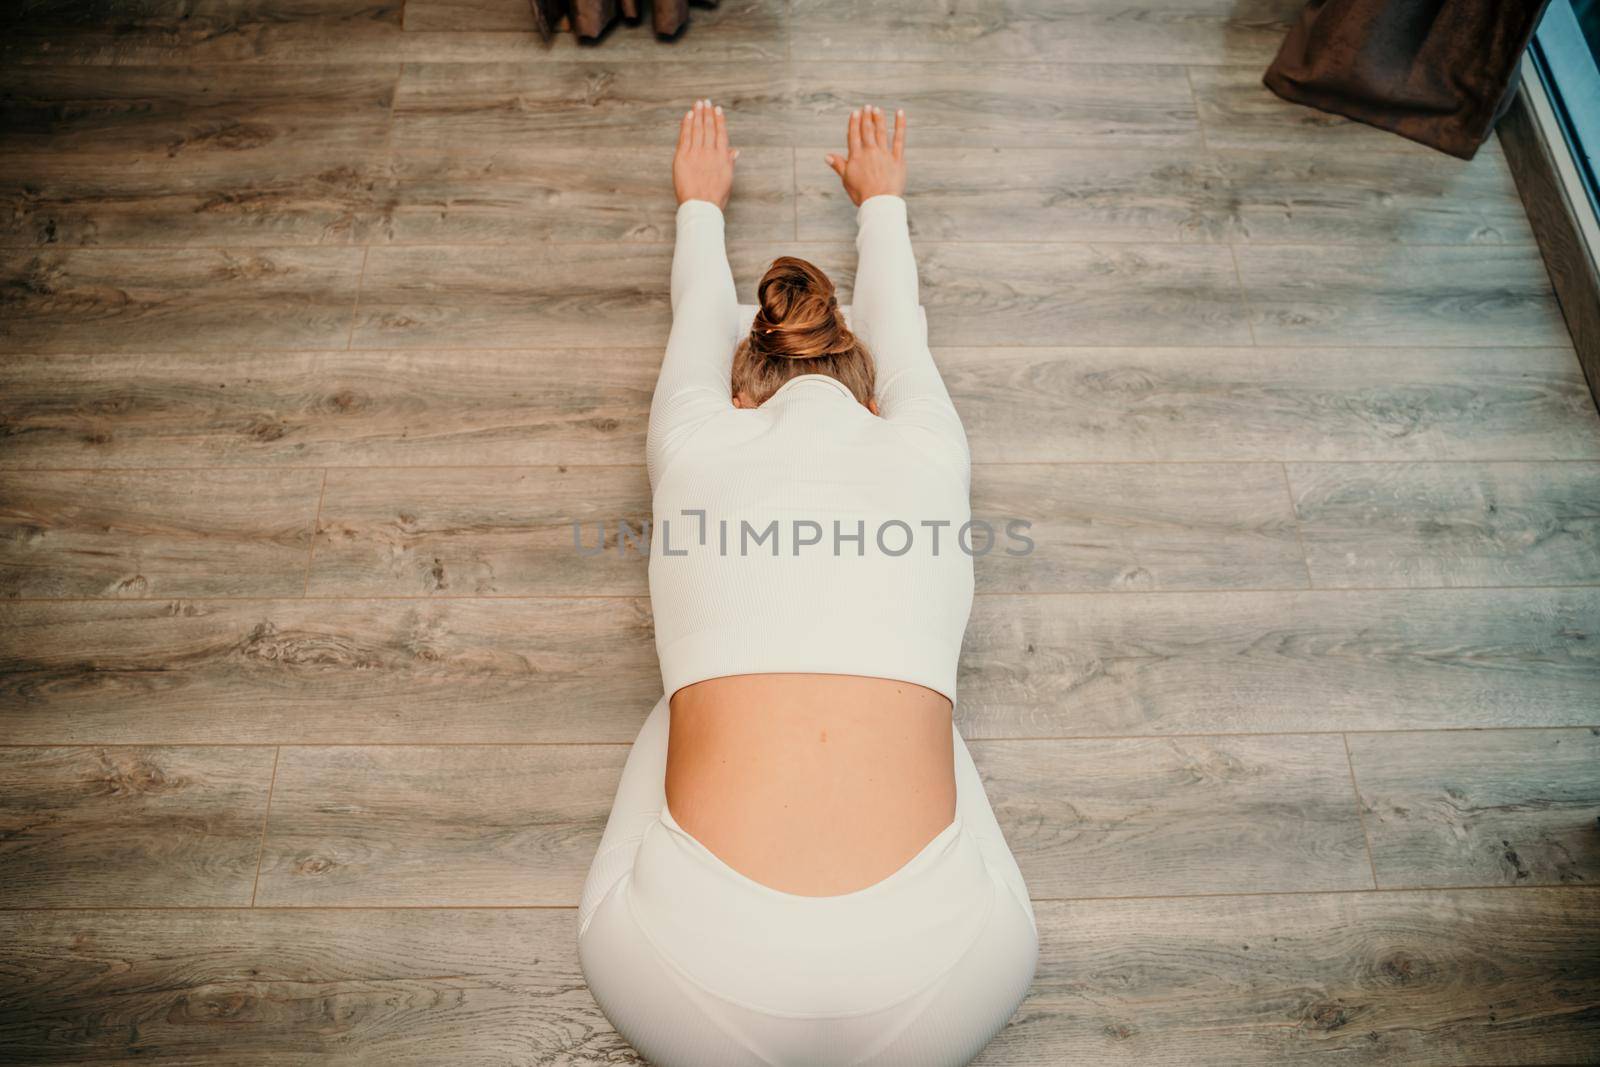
point(323, 320)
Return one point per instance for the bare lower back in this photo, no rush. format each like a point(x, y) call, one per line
point(815, 784)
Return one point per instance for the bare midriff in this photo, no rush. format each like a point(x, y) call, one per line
point(813, 784)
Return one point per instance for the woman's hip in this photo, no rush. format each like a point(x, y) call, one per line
point(694, 963)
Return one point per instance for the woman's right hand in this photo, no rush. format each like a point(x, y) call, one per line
point(876, 164)
point(702, 167)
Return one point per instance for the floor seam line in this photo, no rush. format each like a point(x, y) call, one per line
point(1350, 762)
point(266, 818)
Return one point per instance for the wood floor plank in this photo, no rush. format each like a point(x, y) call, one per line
point(131, 827)
point(243, 408)
point(156, 533)
point(176, 32)
point(1485, 296)
point(174, 120)
point(608, 294)
point(1164, 663)
point(1016, 105)
point(638, 44)
point(1301, 196)
point(537, 192)
point(615, 294)
point(277, 987)
point(1455, 524)
point(1484, 977)
point(292, 200)
point(1336, 195)
point(185, 155)
point(446, 107)
point(1237, 111)
point(469, 16)
point(458, 825)
point(496, 531)
point(182, 300)
point(316, 671)
point(1177, 816)
point(1466, 807)
point(442, 107)
point(984, 294)
point(1117, 404)
point(1134, 526)
point(1080, 31)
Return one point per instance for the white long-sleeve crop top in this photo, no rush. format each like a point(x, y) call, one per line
point(807, 535)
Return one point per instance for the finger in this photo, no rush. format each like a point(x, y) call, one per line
point(900, 134)
point(880, 128)
point(694, 124)
point(708, 125)
point(722, 128)
point(837, 164)
point(853, 139)
point(686, 130)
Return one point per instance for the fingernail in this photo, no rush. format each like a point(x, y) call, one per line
point(719, 109)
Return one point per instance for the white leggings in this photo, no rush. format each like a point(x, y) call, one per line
point(697, 965)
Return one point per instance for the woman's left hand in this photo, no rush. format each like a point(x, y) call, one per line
point(702, 167)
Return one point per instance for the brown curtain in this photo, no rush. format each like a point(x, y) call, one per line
point(1437, 71)
point(589, 18)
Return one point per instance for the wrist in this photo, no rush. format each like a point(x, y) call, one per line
point(690, 205)
point(888, 204)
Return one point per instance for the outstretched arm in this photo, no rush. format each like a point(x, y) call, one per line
point(696, 373)
point(884, 308)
